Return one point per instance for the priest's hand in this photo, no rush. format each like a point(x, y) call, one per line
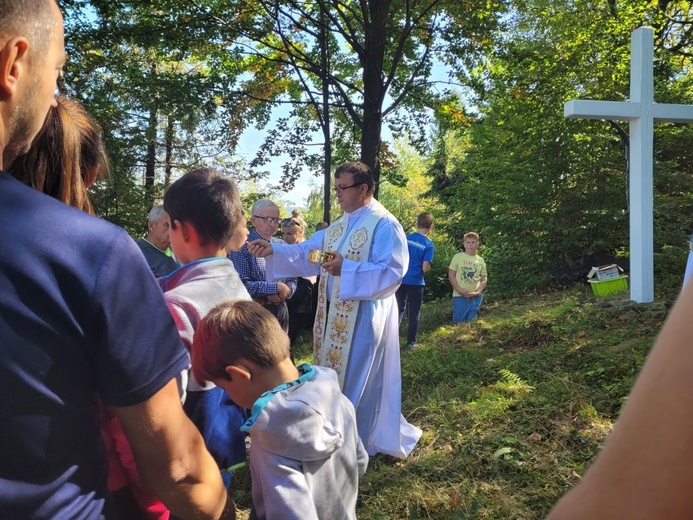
point(334, 266)
point(260, 248)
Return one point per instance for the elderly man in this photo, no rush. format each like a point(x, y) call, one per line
point(271, 295)
point(356, 324)
point(82, 322)
point(155, 246)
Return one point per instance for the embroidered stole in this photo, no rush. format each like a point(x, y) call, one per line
point(333, 331)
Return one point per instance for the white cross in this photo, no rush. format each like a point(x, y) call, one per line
point(641, 111)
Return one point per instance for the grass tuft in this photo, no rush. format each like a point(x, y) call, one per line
point(513, 406)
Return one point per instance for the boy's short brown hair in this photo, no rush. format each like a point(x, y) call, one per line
point(424, 220)
point(207, 200)
point(237, 329)
point(471, 234)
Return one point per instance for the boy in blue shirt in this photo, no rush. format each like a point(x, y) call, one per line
point(410, 293)
point(207, 220)
point(305, 453)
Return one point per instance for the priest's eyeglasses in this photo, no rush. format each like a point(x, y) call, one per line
point(340, 189)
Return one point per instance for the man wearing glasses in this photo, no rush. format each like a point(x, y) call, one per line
point(356, 324)
point(270, 294)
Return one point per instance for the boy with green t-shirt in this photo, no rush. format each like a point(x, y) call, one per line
point(467, 274)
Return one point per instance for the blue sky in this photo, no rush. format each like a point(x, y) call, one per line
point(248, 145)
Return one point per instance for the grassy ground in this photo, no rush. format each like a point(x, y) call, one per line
point(513, 406)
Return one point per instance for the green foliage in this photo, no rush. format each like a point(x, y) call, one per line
point(544, 191)
point(175, 83)
point(314, 210)
point(150, 75)
point(496, 399)
point(404, 192)
point(122, 201)
point(403, 189)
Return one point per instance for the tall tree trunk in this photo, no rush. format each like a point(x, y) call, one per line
point(327, 165)
point(373, 88)
point(150, 161)
point(370, 143)
point(168, 166)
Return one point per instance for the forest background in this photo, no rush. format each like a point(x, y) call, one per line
point(176, 83)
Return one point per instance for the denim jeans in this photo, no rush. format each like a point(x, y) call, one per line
point(465, 309)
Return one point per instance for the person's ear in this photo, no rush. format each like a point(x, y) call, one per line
point(238, 371)
point(13, 64)
point(187, 230)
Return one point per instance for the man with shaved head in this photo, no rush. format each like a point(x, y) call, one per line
point(32, 54)
point(72, 330)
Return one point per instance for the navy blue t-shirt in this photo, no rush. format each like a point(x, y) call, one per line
point(81, 318)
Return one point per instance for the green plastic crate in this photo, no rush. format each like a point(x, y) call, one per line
point(602, 288)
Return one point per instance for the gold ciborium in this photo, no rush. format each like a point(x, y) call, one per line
point(319, 257)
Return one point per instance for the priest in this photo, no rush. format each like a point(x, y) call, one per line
point(356, 330)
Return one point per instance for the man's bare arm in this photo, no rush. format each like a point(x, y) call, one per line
point(426, 266)
point(646, 467)
point(171, 457)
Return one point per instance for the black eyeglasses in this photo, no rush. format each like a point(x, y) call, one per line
point(268, 220)
point(339, 189)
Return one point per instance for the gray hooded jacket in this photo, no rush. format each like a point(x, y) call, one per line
point(305, 453)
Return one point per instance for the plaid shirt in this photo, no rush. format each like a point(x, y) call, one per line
point(253, 272)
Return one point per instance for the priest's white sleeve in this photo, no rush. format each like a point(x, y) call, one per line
point(291, 260)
